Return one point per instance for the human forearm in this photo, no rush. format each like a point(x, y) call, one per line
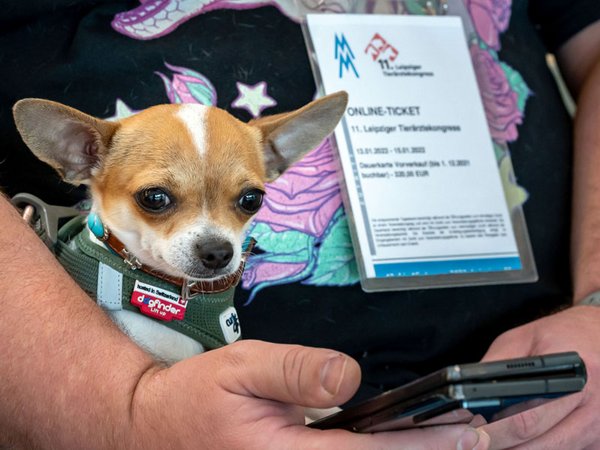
point(586, 189)
point(67, 373)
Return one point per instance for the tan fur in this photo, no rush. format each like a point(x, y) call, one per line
point(154, 148)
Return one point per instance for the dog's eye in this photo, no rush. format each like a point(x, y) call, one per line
point(153, 199)
point(250, 201)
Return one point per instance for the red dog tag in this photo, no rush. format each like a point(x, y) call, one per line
point(158, 303)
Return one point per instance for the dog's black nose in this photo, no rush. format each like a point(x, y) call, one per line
point(215, 254)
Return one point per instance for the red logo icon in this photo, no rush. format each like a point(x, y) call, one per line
point(380, 48)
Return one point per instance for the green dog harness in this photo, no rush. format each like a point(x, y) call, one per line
point(209, 318)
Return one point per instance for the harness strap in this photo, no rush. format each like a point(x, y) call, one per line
point(210, 319)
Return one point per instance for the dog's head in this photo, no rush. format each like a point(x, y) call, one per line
point(177, 184)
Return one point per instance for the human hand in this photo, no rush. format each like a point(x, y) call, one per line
point(244, 396)
point(571, 422)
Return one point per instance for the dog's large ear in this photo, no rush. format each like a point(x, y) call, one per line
point(68, 140)
point(287, 137)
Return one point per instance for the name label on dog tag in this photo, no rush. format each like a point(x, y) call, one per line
point(158, 303)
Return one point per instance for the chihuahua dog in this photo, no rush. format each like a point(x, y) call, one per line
point(177, 185)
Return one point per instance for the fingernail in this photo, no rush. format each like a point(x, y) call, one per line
point(484, 440)
point(332, 374)
point(473, 439)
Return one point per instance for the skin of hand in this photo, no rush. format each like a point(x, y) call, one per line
point(571, 422)
point(249, 392)
point(71, 379)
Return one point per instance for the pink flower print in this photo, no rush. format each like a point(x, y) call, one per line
point(499, 99)
point(491, 18)
point(306, 196)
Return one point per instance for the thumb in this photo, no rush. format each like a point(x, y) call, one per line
point(304, 376)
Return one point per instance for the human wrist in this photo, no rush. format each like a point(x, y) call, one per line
point(150, 426)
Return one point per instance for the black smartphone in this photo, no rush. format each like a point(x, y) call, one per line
point(454, 394)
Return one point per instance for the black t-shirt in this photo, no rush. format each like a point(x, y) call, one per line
point(559, 20)
point(86, 55)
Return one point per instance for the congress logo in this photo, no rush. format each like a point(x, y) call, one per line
point(345, 55)
point(381, 50)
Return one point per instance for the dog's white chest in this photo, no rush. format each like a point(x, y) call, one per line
point(160, 341)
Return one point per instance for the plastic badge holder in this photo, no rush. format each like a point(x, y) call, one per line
point(415, 280)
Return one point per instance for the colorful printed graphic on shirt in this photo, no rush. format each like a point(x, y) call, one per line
point(302, 229)
point(188, 86)
point(156, 18)
point(253, 99)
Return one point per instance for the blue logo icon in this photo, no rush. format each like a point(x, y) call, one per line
point(344, 53)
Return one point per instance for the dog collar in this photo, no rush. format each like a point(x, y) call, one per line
point(188, 288)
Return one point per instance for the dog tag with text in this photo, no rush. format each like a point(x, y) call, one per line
point(158, 303)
